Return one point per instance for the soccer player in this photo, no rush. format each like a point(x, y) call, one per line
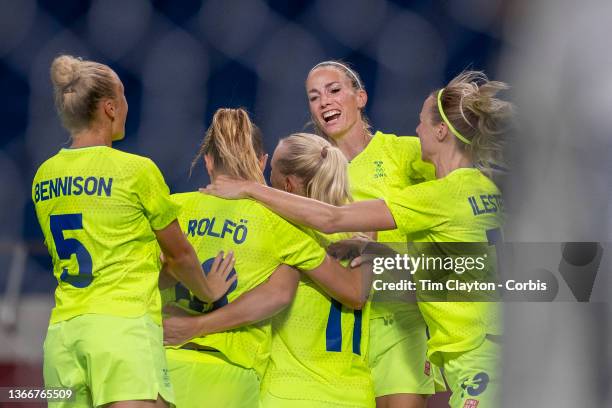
point(102, 212)
point(378, 165)
point(319, 348)
point(461, 125)
point(224, 369)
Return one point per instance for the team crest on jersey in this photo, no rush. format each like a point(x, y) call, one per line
point(379, 170)
point(427, 370)
point(388, 320)
point(470, 403)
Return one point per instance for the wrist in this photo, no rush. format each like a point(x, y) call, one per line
point(201, 326)
point(250, 189)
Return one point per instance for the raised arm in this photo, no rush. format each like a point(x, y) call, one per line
point(370, 215)
point(181, 262)
point(260, 303)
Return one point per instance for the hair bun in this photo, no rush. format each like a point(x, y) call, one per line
point(65, 71)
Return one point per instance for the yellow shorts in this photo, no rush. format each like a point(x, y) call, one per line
point(106, 359)
point(270, 401)
point(207, 379)
point(398, 355)
point(473, 376)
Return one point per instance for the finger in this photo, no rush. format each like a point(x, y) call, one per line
point(227, 265)
point(231, 281)
point(360, 260)
point(216, 262)
point(233, 277)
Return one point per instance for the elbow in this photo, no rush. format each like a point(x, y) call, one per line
point(284, 299)
point(179, 256)
point(354, 302)
point(359, 304)
point(285, 295)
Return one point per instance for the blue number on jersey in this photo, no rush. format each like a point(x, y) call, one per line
point(195, 304)
point(67, 247)
point(333, 331)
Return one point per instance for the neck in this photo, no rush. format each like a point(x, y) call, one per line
point(447, 162)
point(92, 137)
point(354, 141)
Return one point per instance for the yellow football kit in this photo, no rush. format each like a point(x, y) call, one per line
point(398, 334)
point(319, 350)
point(261, 241)
point(463, 207)
point(98, 208)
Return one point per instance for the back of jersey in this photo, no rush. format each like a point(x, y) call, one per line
point(97, 208)
point(261, 241)
point(319, 347)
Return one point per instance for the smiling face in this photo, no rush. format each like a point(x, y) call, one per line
point(334, 104)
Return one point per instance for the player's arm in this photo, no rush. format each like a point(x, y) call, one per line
point(181, 262)
point(370, 215)
point(349, 286)
point(260, 303)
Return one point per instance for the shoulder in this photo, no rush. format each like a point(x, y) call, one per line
point(395, 144)
point(182, 198)
point(135, 160)
point(49, 164)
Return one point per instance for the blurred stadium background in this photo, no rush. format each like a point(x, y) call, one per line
point(181, 60)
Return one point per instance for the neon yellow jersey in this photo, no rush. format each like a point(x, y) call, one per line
point(98, 207)
point(464, 206)
point(388, 163)
point(261, 241)
point(319, 347)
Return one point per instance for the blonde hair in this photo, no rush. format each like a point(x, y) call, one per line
point(321, 166)
point(470, 105)
point(229, 141)
point(356, 84)
point(78, 87)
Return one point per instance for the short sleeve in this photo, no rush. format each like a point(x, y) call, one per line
point(418, 207)
point(296, 248)
point(154, 197)
point(408, 152)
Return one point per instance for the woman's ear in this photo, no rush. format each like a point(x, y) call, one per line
point(210, 164)
point(362, 98)
point(108, 105)
point(441, 132)
point(294, 184)
point(263, 161)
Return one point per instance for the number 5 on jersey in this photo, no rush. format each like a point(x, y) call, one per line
point(65, 248)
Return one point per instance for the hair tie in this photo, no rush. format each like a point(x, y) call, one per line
point(324, 152)
point(446, 121)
